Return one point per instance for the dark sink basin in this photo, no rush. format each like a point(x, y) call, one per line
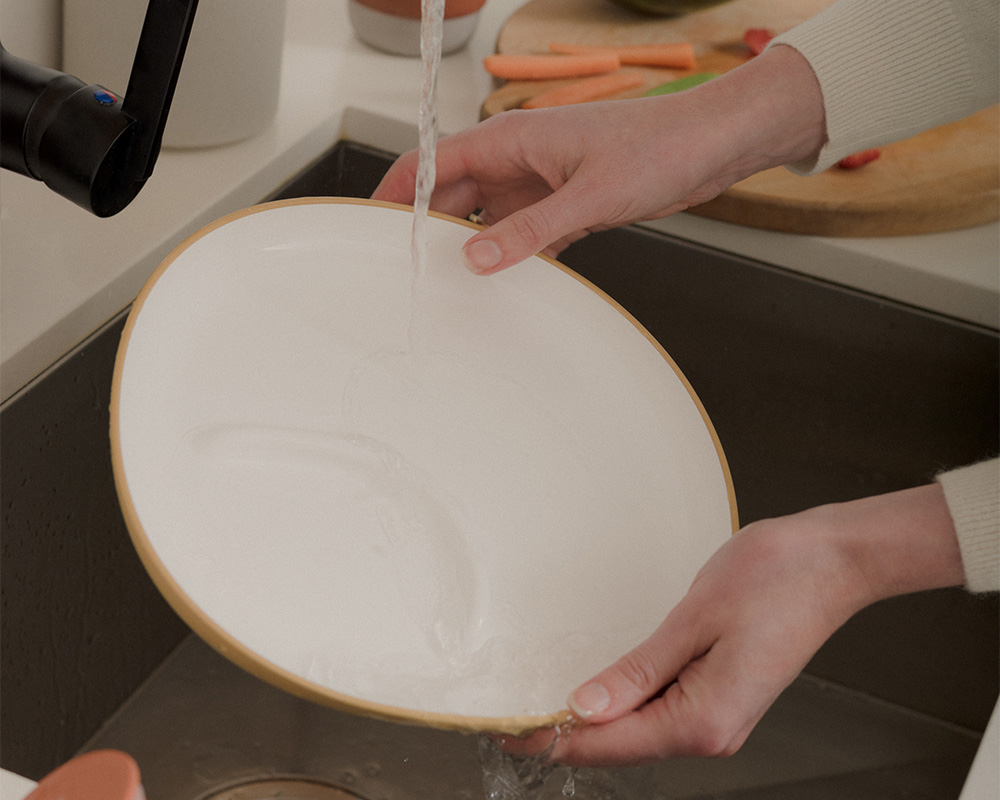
point(819, 393)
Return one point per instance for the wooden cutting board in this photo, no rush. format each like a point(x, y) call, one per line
point(943, 179)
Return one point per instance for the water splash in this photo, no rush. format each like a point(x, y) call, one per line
point(508, 777)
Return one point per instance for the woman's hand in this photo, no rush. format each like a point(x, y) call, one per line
point(753, 617)
point(545, 178)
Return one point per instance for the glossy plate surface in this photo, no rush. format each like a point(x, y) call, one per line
point(447, 501)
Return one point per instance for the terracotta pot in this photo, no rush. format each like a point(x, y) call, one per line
point(97, 775)
point(411, 8)
point(393, 26)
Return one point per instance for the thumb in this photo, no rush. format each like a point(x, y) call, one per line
point(524, 233)
point(636, 677)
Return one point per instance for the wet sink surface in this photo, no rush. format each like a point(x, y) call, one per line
point(818, 394)
point(201, 725)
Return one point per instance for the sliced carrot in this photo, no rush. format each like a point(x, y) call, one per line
point(672, 55)
point(586, 89)
point(545, 67)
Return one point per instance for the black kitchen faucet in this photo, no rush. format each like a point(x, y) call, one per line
point(84, 141)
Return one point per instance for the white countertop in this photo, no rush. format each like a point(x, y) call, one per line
point(65, 272)
point(14, 787)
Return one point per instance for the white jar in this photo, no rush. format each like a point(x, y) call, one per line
point(31, 30)
point(230, 77)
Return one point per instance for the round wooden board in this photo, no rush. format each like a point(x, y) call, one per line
point(944, 179)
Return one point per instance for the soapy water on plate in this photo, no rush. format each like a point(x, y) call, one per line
point(408, 575)
point(423, 536)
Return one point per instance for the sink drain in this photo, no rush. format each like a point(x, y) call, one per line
point(283, 789)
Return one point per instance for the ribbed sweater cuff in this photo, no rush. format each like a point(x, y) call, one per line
point(889, 70)
point(973, 496)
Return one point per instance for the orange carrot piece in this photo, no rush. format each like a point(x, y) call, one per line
point(672, 55)
point(546, 67)
point(586, 89)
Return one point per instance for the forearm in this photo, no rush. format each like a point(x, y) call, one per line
point(896, 543)
point(771, 108)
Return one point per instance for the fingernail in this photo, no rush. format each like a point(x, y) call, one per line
point(589, 699)
point(482, 255)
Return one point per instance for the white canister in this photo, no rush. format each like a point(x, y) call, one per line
point(31, 29)
point(230, 77)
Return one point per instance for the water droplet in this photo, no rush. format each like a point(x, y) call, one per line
point(348, 777)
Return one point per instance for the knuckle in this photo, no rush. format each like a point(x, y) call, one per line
point(529, 229)
point(715, 737)
point(710, 743)
point(505, 124)
point(640, 672)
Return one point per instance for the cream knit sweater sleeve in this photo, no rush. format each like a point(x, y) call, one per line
point(973, 495)
point(889, 69)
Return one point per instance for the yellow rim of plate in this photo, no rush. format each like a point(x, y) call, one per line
point(223, 642)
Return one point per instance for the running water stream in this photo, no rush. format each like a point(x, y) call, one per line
point(504, 777)
point(431, 35)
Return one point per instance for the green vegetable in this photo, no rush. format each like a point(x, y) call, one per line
point(681, 84)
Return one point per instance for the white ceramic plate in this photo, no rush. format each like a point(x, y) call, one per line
point(453, 522)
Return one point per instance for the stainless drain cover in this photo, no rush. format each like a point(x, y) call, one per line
point(283, 789)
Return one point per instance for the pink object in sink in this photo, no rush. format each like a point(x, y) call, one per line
point(99, 775)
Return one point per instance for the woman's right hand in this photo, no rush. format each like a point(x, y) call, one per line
point(755, 614)
point(546, 178)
